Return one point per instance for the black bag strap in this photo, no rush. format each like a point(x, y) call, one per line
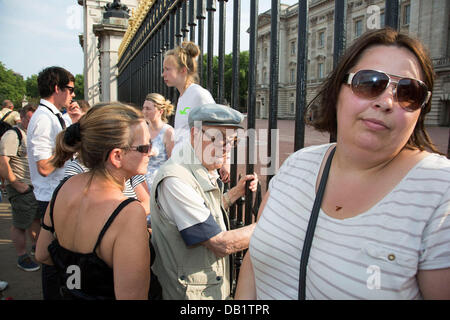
point(58, 115)
point(312, 227)
point(19, 135)
point(5, 116)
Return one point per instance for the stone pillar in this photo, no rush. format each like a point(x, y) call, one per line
point(93, 14)
point(110, 33)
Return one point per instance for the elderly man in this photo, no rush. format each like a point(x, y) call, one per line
point(190, 226)
point(12, 117)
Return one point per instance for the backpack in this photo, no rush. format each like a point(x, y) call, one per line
point(4, 126)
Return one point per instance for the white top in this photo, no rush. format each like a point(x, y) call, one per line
point(194, 96)
point(74, 167)
point(374, 255)
point(67, 119)
point(41, 135)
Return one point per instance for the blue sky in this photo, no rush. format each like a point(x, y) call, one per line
point(35, 34)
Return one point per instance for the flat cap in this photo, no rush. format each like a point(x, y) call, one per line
point(216, 115)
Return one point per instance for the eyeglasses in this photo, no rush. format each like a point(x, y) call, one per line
point(71, 89)
point(218, 140)
point(145, 148)
point(411, 94)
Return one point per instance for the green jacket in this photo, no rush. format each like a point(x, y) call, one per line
point(188, 273)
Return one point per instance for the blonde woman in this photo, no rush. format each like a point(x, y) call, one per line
point(180, 71)
point(91, 228)
point(156, 109)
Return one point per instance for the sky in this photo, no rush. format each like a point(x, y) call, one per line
point(35, 34)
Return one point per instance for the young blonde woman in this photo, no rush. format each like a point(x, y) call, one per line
point(156, 109)
point(180, 71)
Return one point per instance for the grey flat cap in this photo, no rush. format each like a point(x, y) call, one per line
point(216, 115)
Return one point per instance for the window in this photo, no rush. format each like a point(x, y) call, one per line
point(406, 14)
point(382, 18)
point(320, 70)
point(265, 54)
point(293, 48)
point(358, 28)
point(292, 76)
point(292, 111)
point(321, 39)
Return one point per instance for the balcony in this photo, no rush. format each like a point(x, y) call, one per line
point(441, 64)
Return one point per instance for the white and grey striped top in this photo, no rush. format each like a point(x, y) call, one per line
point(375, 255)
point(75, 167)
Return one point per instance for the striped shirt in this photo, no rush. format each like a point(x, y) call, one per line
point(374, 255)
point(74, 167)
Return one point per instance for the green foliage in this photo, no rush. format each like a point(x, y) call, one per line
point(228, 77)
point(12, 86)
point(79, 87)
point(32, 87)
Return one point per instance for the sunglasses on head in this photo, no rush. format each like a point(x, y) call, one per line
point(411, 94)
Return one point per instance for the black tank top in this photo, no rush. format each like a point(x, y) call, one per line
point(95, 278)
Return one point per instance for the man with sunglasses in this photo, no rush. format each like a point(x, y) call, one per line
point(56, 88)
point(190, 225)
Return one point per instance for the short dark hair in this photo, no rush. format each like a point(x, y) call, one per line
point(325, 101)
point(29, 107)
point(51, 76)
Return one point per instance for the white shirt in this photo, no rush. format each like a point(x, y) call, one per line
point(194, 96)
point(374, 255)
point(67, 119)
point(186, 209)
point(42, 130)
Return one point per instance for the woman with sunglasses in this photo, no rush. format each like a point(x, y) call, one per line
point(382, 230)
point(94, 235)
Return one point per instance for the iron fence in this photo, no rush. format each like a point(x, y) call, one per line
point(168, 22)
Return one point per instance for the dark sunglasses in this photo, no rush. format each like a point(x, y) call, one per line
point(71, 89)
point(145, 148)
point(411, 94)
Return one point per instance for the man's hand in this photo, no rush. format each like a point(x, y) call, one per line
point(45, 167)
point(240, 186)
point(225, 173)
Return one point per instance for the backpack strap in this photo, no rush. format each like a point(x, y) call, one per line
point(19, 135)
point(5, 116)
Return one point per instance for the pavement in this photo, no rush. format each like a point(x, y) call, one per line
point(27, 285)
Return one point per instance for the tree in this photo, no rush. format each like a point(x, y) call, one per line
point(228, 77)
point(32, 88)
point(79, 87)
point(12, 86)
